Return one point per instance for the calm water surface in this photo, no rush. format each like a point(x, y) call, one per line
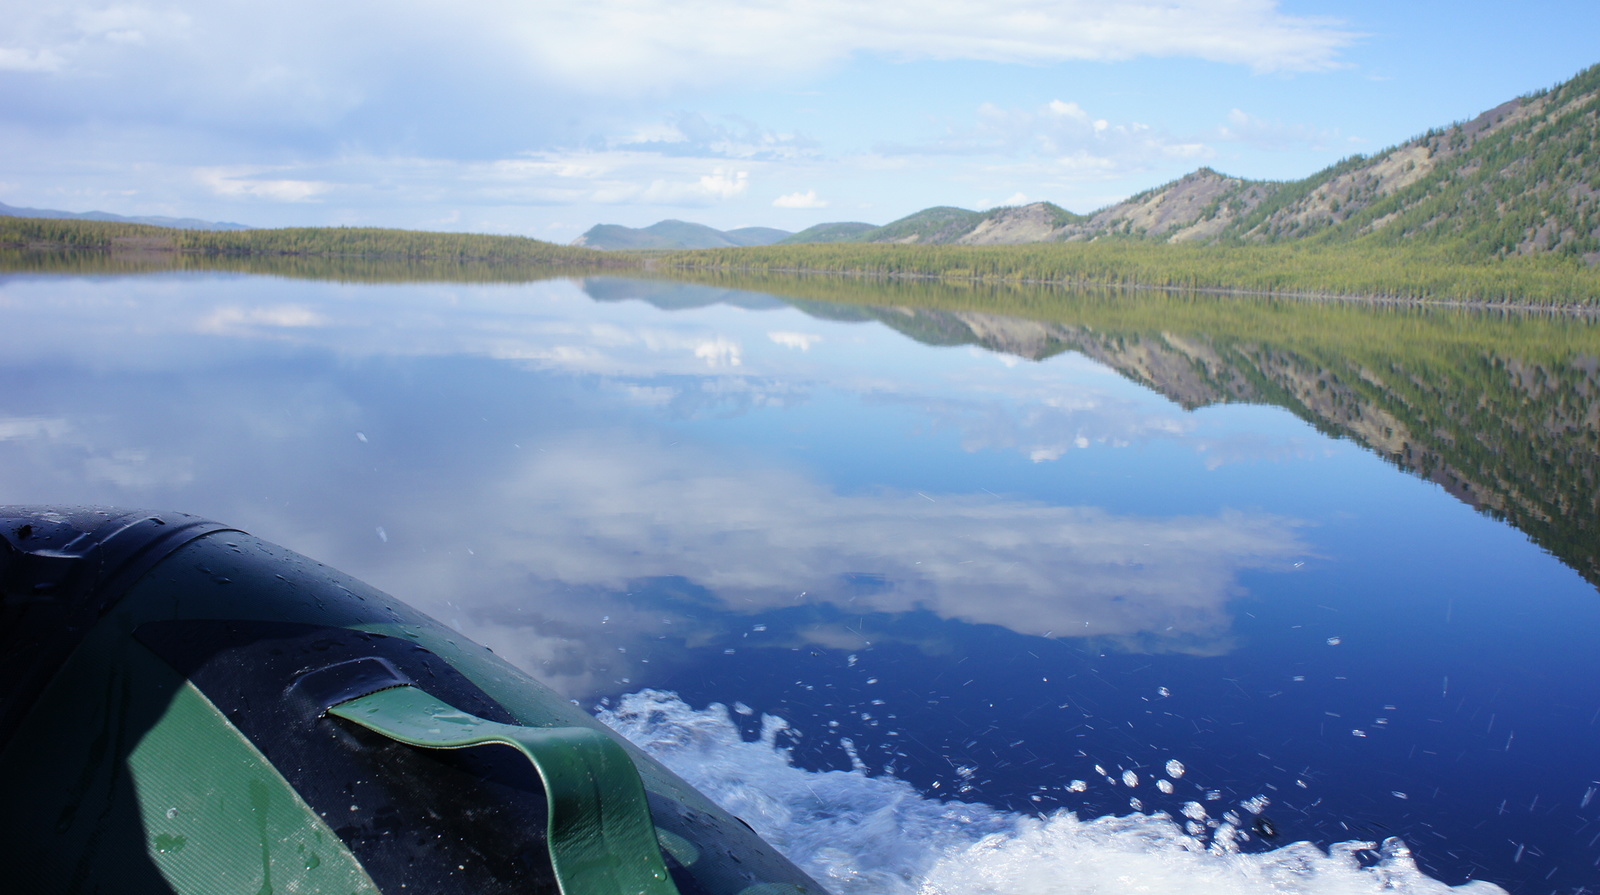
point(1328, 577)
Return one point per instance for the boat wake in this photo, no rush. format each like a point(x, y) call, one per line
point(857, 833)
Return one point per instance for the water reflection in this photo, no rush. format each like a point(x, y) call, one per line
point(989, 557)
point(603, 518)
point(494, 522)
point(1501, 411)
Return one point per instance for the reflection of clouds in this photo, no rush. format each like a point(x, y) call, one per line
point(650, 395)
point(563, 530)
point(589, 519)
point(139, 469)
point(234, 320)
point(802, 341)
point(1254, 447)
point(719, 352)
point(608, 349)
point(75, 452)
point(716, 361)
point(1045, 426)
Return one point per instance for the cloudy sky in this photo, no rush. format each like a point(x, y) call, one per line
point(544, 118)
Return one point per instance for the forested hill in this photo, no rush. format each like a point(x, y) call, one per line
point(154, 220)
point(1522, 178)
point(368, 243)
point(676, 235)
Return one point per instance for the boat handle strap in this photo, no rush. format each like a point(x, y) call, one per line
point(602, 840)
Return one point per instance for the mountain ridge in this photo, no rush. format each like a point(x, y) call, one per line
point(675, 234)
point(153, 220)
point(1522, 178)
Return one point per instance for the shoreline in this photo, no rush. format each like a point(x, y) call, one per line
point(1575, 310)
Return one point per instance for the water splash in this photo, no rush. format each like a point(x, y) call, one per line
point(858, 834)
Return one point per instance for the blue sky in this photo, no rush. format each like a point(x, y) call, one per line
point(543, 118)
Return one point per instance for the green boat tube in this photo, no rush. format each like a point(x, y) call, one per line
point(186, 709)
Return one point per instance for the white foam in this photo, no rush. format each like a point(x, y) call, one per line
point(857, 833)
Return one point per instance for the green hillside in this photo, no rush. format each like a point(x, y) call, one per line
point(943, 224)
point(847, 231)
point(343, 242)
point(674, 234)
point(756, 236)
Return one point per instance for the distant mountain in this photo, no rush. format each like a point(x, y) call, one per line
point(843, 232)
point(153, 220)
point(756, 236)
point(676, 235)
point(1522, 178)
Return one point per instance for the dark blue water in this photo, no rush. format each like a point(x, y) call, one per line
point(983, 574)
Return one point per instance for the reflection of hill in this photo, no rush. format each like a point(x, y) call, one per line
point(1513, 436)
point(1502, 410)
point(669, 295)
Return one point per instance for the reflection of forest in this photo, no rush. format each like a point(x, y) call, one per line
point(90, 262)
point(1514, 436)
point(1500, 409)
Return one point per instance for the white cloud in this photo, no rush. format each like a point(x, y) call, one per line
point(38, 60)
point(707, 188)
point(1015, 199)
point(1057, 139)
point(243, 183)
point(654, 46)
point(699, 135)
point(19, 427)
point(807, 199)
point(725, 185)
point(653, 42)
point(394, 112)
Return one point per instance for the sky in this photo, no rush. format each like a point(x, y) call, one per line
point(543, 119)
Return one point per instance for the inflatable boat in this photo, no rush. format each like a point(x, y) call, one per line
point(185, 708)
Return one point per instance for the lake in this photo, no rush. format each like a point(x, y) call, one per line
point(1131, 590)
